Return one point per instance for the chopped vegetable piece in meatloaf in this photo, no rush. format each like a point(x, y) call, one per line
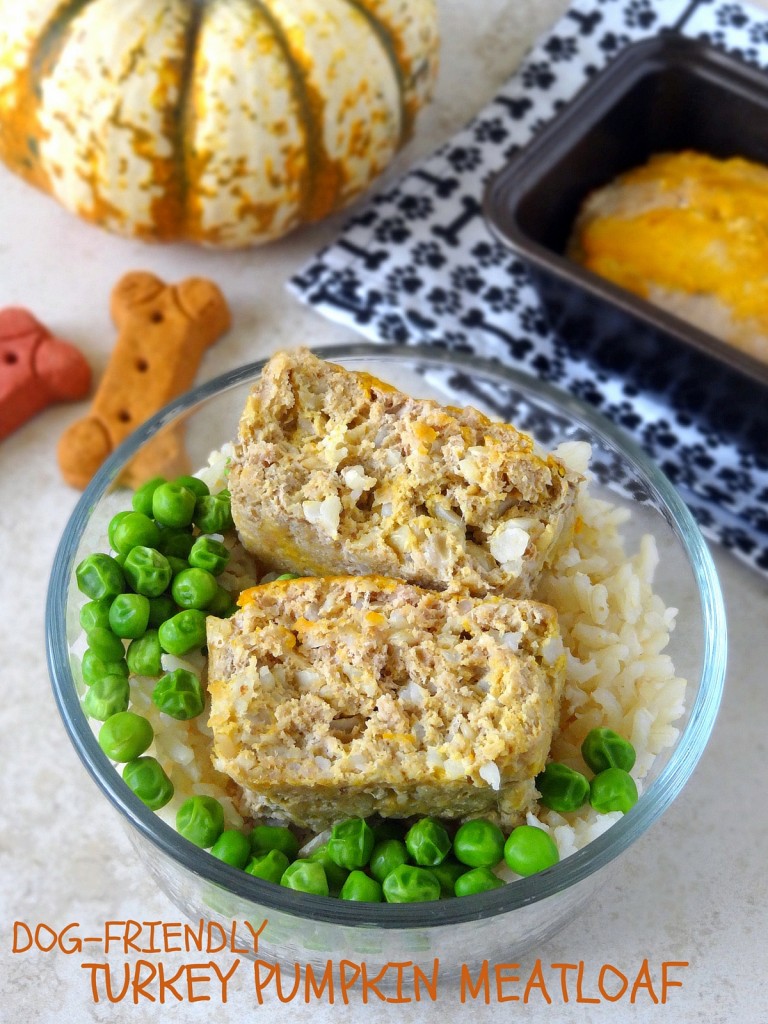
point(336, 472)
point(351, 696)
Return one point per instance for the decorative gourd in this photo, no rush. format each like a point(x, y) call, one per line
point(224, 122)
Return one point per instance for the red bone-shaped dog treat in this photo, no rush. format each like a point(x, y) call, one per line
point(36, 369)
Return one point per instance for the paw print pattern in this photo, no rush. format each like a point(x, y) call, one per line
point(403, 279)
point(500, 300)
point(464, 158)
point(732, 16)
point(612, 42)
point(394, 230)
point(416, 207)
point(588, 391)
point(467, 279)
point(640, 13)
point(488, 254)
point(392, 327)
point(533, 320)
point(561, 48)
point(491, 129)
point(444, 300)
point(538, 75)
point(516, 269)
point(428, 254)
point(735, 479)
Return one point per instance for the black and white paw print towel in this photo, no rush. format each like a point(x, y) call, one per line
point(417, 264)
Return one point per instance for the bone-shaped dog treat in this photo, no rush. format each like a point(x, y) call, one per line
point(163, 333)
point(36, 369)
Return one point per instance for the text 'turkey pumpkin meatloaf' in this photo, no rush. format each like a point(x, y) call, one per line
point(342, 696)
point(336, 472)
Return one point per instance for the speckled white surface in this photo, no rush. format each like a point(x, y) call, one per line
point(693, 889)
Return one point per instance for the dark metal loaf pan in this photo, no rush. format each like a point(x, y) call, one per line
point(666, 94)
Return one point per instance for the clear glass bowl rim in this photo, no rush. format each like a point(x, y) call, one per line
point(570, 871)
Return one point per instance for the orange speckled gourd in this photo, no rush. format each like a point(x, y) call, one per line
point(222, 122)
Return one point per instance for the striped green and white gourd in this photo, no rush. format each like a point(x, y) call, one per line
point(223, 122)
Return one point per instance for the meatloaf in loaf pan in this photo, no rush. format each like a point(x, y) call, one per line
point(687, 232)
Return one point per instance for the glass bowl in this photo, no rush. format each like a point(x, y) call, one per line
point(522, 914)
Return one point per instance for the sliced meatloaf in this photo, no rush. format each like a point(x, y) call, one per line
point(342, 696)
point(337, 472)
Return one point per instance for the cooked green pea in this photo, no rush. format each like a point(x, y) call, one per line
point(209, 554)
point(306, 876)
point(530, 849)
point(106, 697)
point(147, 571)
point(351, 843)
point(274, 837)
point(105, 644)
point(194, 588)
point(142, 496)
point(146, 777)
point(99, 576)
point(477, 880)
point(233, 848)
point(479, 843)
point(361, 888)
point(387, 855)
point(200, 819)
point(410, 884)
point(95, 614)
point(603, 748)
point(182, 631)
point(195, 484)
point(173, 504)
point(125, 736)
point(129, 615)
point(176, 542)
point(562, 789)
point(94, 668)
point(213, 513)
point(179, 694)
point(160, 609)
point(135, 530)
point(270, 866)
point(613, 790)
point(336, 875)
point(223, 604)
point(144, 655)
point(446, 873)
point(427, 842)
point(113, 525)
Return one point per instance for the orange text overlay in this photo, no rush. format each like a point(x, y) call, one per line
point(129, 974)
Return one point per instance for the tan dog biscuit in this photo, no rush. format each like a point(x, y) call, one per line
point(163, 332)
point(36, 369)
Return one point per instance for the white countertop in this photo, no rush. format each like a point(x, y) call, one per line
point(692, 889)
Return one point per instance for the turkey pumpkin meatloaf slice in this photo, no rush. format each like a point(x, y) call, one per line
point(336, 472)
point(343, 696)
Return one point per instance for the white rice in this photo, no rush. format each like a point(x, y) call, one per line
point(614, 628)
